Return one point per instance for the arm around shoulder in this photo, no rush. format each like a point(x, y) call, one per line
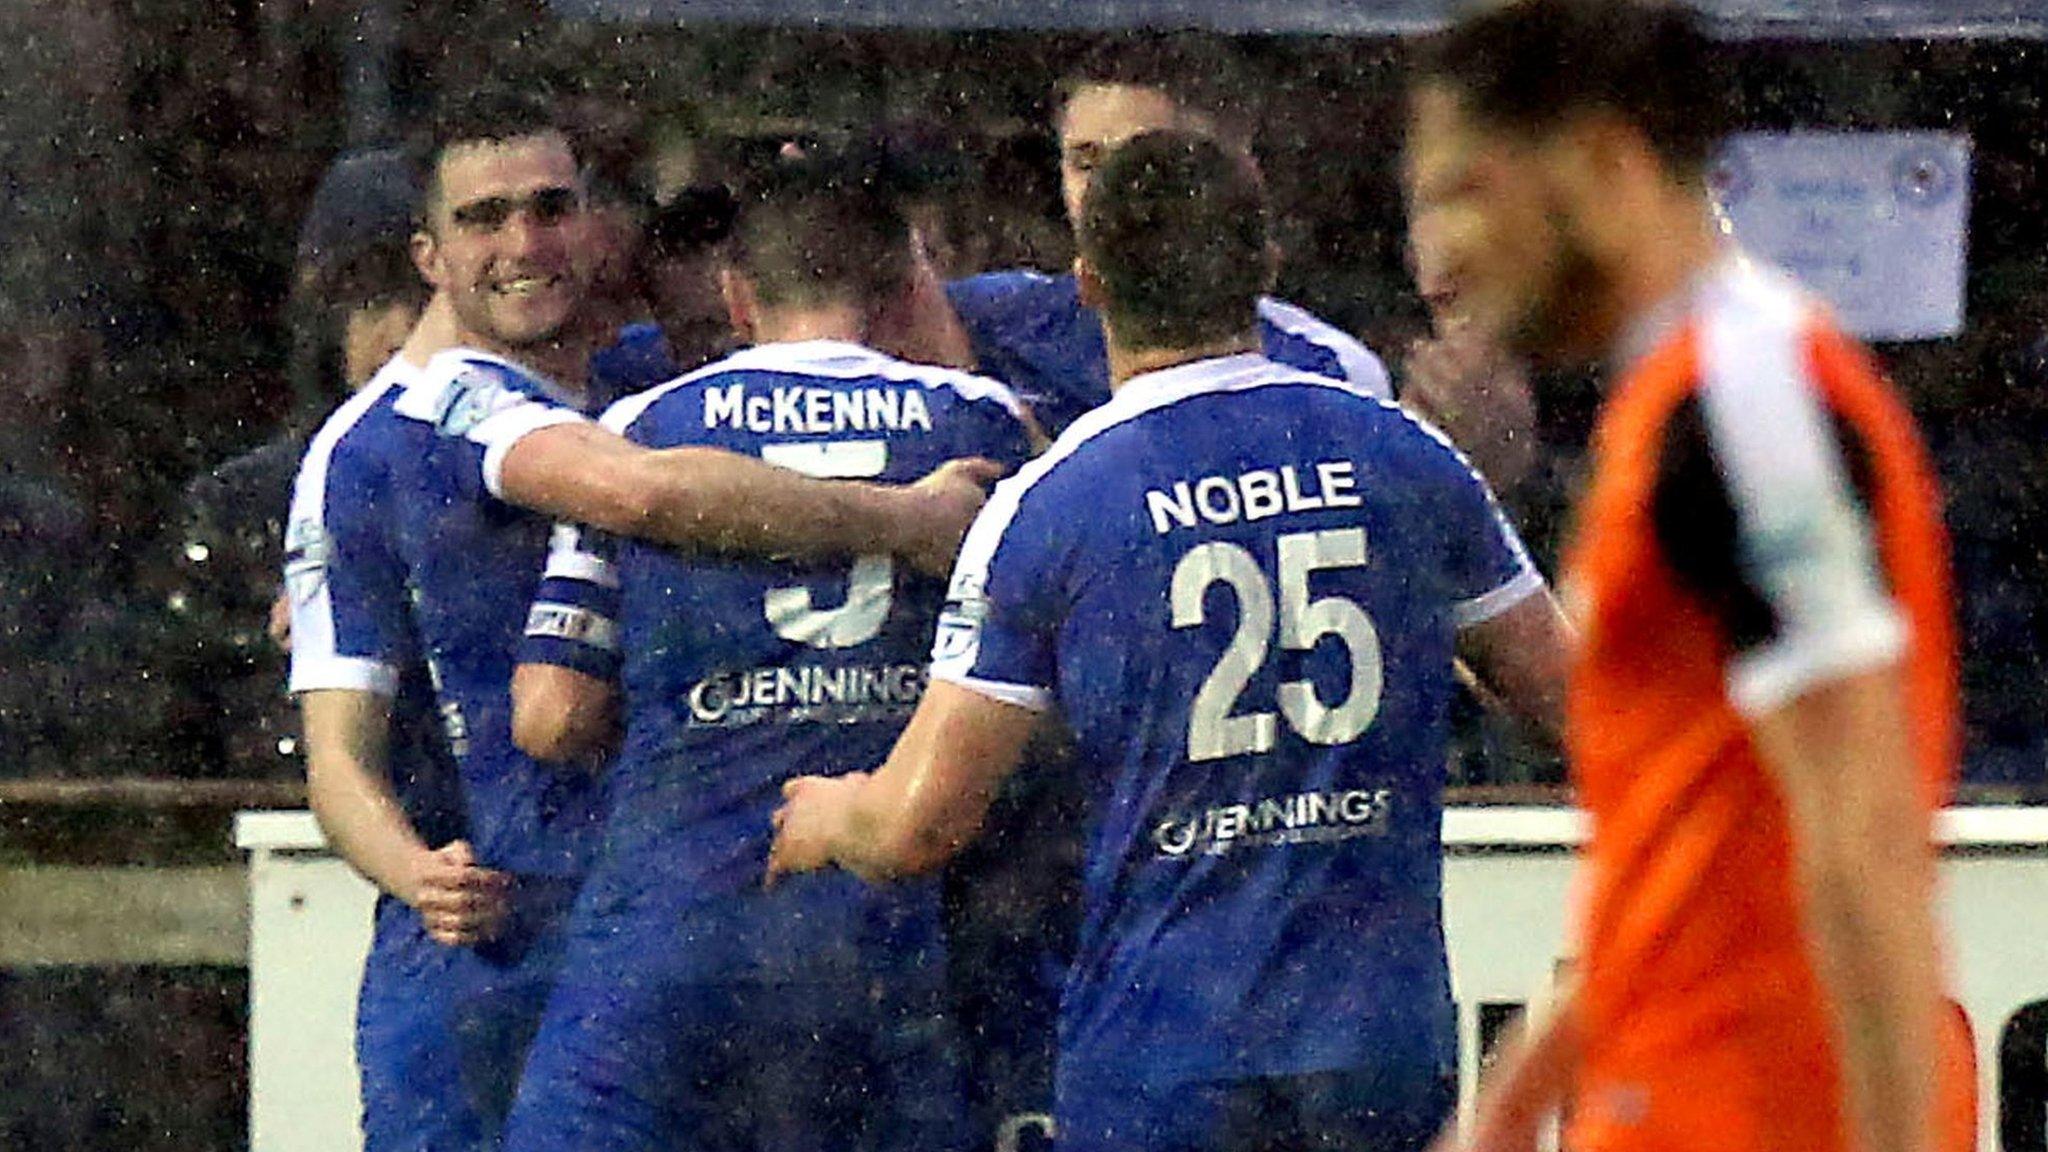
point(715, 500)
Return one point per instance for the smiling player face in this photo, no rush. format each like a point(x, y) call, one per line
point(502, 241)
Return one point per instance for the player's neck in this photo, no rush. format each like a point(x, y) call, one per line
point(792, 324)
point(435, 331)
point(1656, 273)
point(1125, 363)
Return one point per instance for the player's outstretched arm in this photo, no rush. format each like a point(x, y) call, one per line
point(920, 807)
point(347, 740)
point(564, 716)
point(1842, 757)
point(711, 499)
point(1522, 658)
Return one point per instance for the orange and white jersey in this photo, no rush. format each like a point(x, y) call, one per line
point(1762, 519)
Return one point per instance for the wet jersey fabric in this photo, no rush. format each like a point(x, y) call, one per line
point(1030, 331)
point(1240, 586)
point(1012, 894)
point(737, 676)
point(399, 479)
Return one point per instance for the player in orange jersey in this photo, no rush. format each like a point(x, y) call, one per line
point(1763, 718)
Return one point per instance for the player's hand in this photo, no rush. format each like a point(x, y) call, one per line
point(939, 509)
point(807, 825)
point(460, 901)
point(280, 624)
point(1478, 396)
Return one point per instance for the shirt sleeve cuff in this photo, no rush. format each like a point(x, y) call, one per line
point(1763, 680)
point(344, 672)
point(1018, 695)
point(501, 432)
point(1480, 609)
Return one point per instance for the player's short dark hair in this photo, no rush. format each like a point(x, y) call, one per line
point(1531, 65)
point(1174, 224)
point(1200, 72)
point(820, 225)
point(488, 113)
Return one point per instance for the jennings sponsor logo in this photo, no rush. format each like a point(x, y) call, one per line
point(806, 693)
point(1303, 818)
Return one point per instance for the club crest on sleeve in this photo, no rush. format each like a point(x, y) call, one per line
point(958, 637)
point(308, 548)
point(473, 397)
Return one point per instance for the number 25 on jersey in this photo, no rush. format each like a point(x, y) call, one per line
point(1214, 731)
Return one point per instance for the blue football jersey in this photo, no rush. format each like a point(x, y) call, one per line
point(1241, 585)
point(350, 626)
point(1031, 331)
point(471, 564)
point(638, 360)
point(738, 675)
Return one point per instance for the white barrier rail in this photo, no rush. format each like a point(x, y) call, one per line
point(1505, 876)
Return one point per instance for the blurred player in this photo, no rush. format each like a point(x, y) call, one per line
point(1763, 717)
point(1242, 585)
point(696, 1009)
point(411, 546)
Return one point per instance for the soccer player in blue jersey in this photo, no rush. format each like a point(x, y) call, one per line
point(1242, 586)
point(415, 544)
point(1032, 330)
point(696, 1009)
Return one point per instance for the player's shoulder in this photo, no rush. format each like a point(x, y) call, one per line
point(1770, 364)
point(1298, 337)
point(361, 425)
point(459, 388)
point(638, 359)
point(1012, 292)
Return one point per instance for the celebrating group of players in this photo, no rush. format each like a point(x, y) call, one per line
point(654, 717)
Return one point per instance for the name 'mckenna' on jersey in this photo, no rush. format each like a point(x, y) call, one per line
point(738, 675)
point(682, 972)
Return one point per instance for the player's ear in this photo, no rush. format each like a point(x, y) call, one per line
point(426, 257)
point(742, 306)
point(1092, 294)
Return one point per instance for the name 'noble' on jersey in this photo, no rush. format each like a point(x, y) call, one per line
point(1240, 586)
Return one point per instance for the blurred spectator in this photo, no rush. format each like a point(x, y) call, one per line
point(1484, 401)
point(358, 296)
point(1477, 394)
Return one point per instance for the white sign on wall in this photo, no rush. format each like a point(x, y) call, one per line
point(1876, 223)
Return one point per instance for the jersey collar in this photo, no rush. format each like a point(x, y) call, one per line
point(797, 355)
point(1218, 374)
